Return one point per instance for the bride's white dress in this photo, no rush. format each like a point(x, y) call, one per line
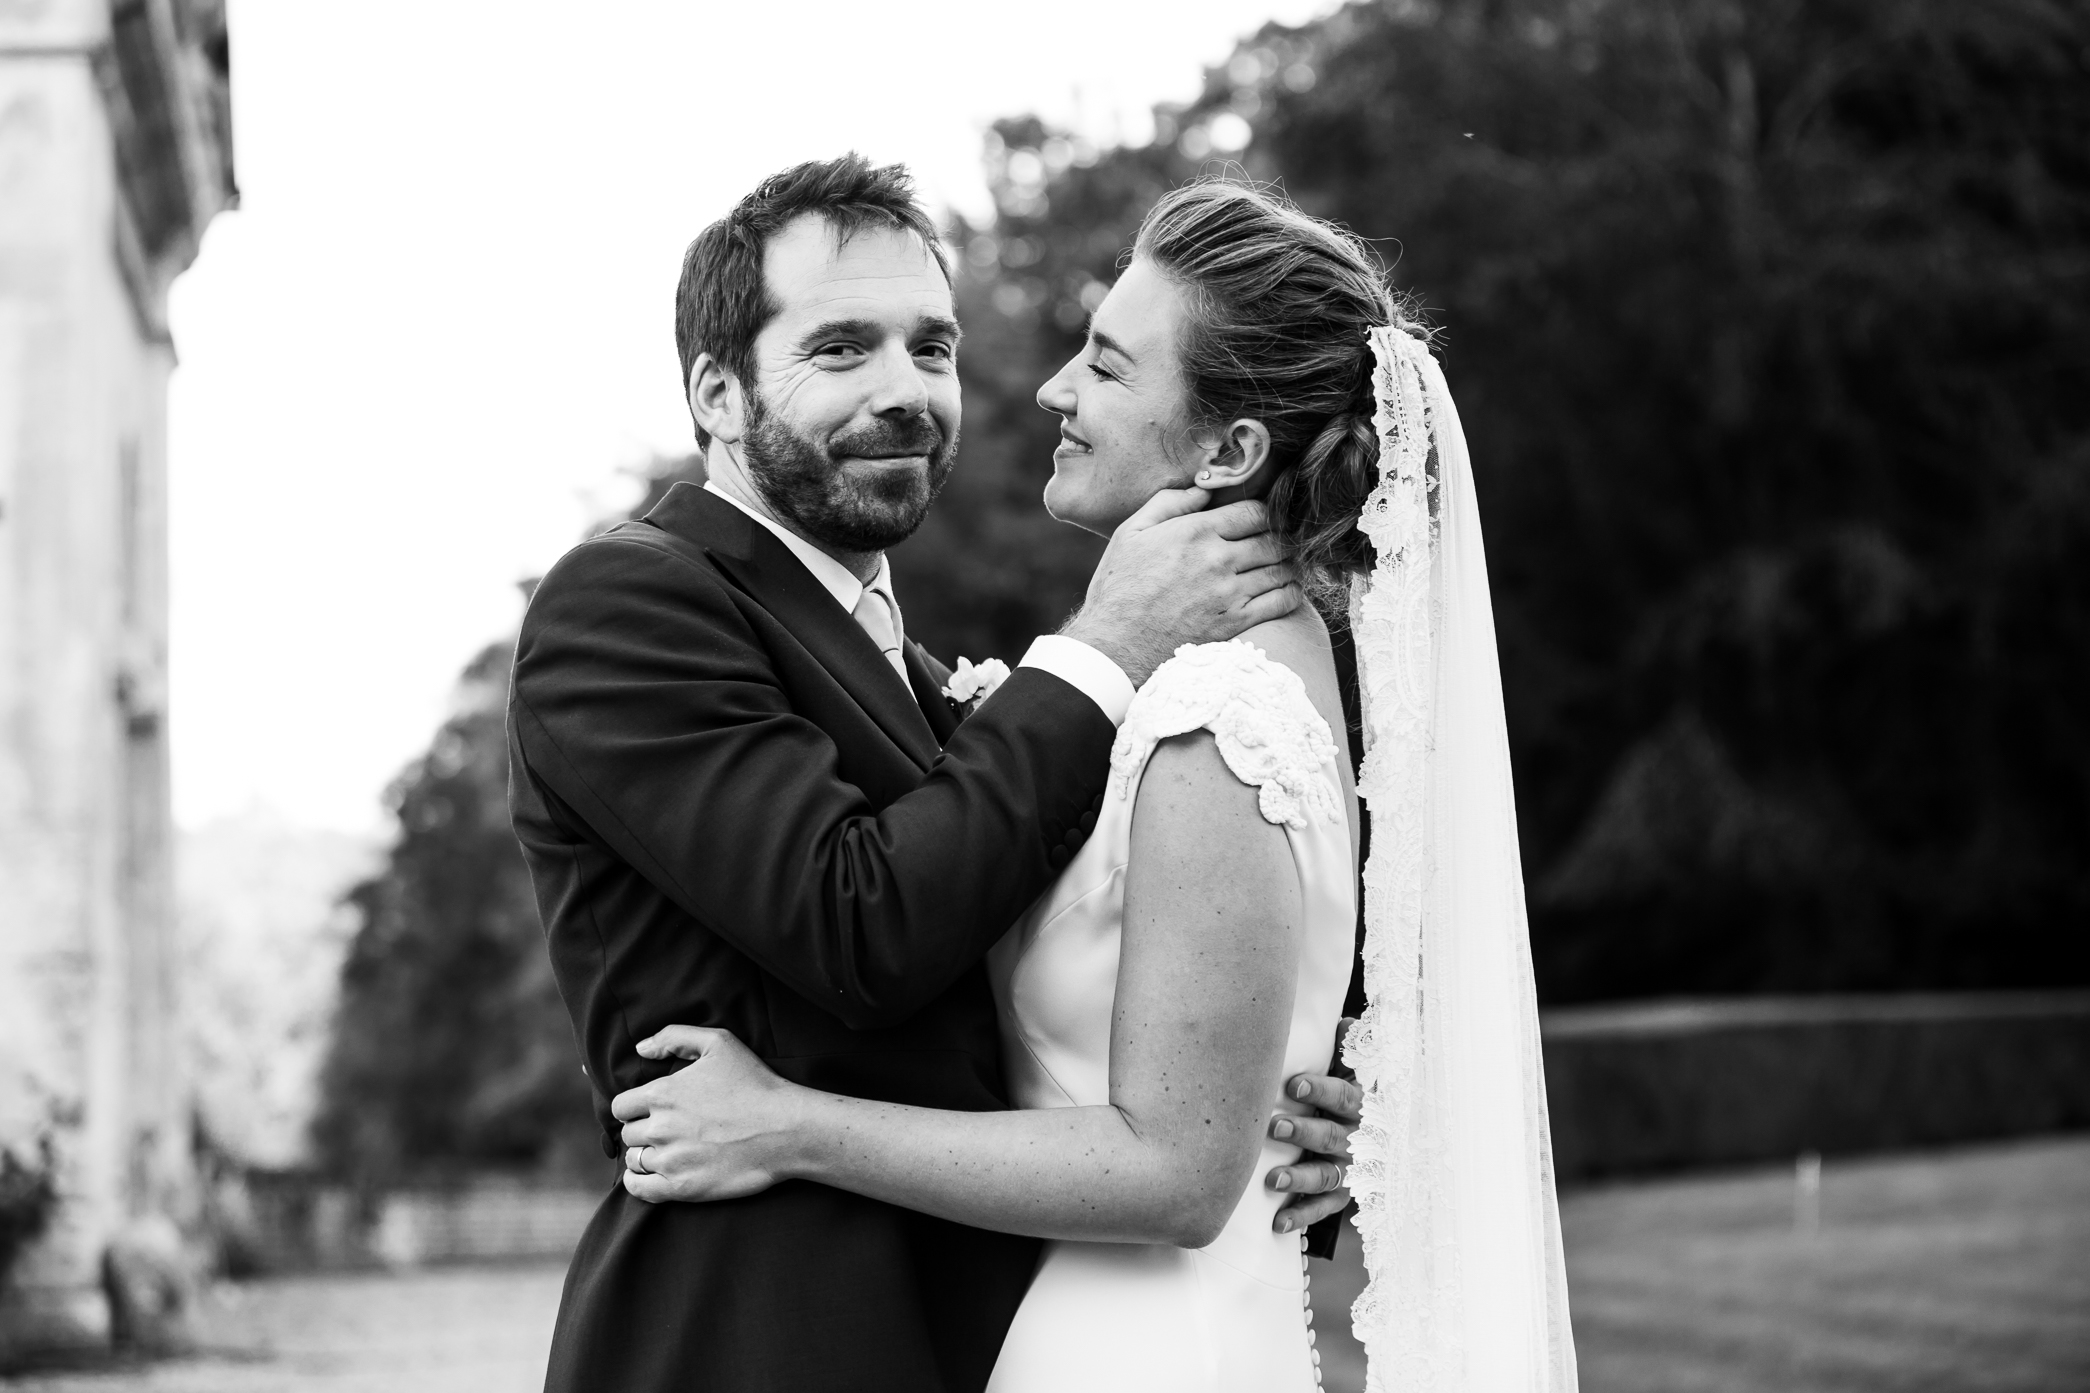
point(1102, 1317)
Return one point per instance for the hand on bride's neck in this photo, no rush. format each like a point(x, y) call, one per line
point(1235, 493)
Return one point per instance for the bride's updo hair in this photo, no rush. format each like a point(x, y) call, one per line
point(1280, 304)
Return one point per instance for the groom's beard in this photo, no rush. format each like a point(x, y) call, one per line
point(862, 509)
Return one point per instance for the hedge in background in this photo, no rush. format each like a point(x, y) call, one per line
point(1671, 1086)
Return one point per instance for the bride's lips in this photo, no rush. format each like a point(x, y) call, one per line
point(1072, 444)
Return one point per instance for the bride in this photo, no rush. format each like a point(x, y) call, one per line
point(1197, 948)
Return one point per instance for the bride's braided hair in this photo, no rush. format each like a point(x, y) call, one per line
point(1280, 307)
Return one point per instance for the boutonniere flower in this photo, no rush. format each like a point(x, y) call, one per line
point(972, 683)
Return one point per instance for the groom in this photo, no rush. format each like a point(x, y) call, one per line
point(745, 801)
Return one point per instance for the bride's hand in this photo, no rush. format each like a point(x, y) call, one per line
point(716, 1129)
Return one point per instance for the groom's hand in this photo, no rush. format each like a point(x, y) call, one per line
point(1175, 573)
point(1317, 1182)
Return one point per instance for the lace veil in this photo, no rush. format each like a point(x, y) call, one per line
point(1453, 1169)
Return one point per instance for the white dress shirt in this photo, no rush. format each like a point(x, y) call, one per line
point(1069, 659)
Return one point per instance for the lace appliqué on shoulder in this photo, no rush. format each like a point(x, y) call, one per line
point(1269, 732)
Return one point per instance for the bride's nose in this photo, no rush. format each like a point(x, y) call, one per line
point(1057, 394)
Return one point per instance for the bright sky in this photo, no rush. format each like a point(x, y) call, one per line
point(435, 339)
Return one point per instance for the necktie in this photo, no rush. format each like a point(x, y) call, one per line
point(879, 615)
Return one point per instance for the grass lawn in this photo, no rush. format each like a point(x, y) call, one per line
point(442, 1330)
point(1961, 1270)
point(1966, 1271)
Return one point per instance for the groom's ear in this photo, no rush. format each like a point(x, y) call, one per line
point(716, 402)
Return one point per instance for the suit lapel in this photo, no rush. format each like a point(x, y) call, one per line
point(765, 568)
point(928, 678)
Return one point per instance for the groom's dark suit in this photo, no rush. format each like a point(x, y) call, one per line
point(735, 815)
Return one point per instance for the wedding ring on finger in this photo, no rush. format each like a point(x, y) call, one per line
point(638, 1160)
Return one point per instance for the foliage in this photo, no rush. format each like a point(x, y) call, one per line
point(450, 1044)
point(658, 477)
point(990, 569)
point(28, 1198)
point(1770, 327)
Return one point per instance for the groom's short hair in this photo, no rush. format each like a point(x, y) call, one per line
point(722, 301)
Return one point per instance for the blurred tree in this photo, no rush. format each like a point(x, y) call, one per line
point(1770, 327)
point(450, 1043)
point(990, 569)
point(1771, 330)
point(658, 478)
point(28, 1199)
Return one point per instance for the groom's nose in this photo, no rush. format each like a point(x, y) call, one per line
point(896, 383)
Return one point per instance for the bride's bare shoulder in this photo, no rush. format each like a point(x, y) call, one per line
point(1300, 641)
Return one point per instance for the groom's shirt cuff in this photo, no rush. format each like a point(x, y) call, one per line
point(1082, 667)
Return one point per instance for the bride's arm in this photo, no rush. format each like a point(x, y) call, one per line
point(1206, 974)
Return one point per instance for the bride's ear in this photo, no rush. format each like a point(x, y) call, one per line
point(715, 400)
point(1236, 460)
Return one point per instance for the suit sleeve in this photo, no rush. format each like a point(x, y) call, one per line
point(645, 702)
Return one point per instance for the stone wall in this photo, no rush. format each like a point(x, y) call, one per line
point(113, 156)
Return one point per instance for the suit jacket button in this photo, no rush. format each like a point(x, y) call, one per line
point(1088, 823)
point(1058, 856)
point(610, 1148)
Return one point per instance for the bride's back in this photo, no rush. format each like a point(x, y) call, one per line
point(1301, 642)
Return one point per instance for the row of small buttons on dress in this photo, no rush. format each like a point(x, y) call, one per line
point(1306, 1302)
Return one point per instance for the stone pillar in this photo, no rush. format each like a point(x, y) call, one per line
point(113, 155)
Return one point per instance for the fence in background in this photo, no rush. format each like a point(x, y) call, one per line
point(275, 1222)
point(1673, 1085)
point(1639, 1088)
point(486, 1222)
